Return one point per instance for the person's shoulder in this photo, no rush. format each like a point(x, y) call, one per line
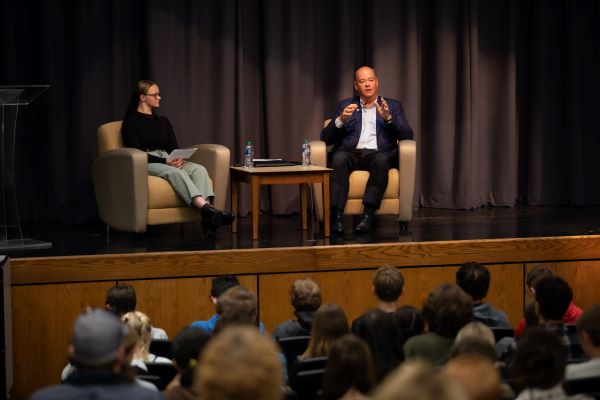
point(62, 391)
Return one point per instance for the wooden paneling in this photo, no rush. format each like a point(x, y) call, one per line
point(173, 304)
point(43, 317)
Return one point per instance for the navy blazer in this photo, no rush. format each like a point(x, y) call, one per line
point(346, 137)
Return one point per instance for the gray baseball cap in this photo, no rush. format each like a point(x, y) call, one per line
point(97, 335)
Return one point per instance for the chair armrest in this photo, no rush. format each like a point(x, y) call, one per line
point(120, 180)
point(407, 154)
point(216, 159)
point(318, 153)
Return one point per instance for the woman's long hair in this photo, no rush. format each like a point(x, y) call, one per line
point(329, 324)
point(140, 88)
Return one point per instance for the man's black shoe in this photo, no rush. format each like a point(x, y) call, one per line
point(228, 218)
point(212, 216)
point(337, 223)
point(365, 224)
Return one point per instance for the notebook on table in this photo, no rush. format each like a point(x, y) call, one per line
point(273, 162)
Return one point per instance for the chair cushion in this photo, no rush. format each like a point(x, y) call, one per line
point(358, 183)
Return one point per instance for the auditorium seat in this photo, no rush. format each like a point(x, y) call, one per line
point(301, 366)
point(166, 372)
point(589, 386)
point(161, 348)
point(292, 347)
point(500, 333)
point(308, 384)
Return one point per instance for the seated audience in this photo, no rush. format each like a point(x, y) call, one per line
point(100, 349)
point(410, 322)
point(475, 338)
point(539, 366)
point(477, 330)
point(329, 324)
point(239, 363)
point(446, 310)
point(476, 374)
point(533, 277)
point(219, 285)
point(382, 335)
point(305, 296)
point(474, 279)
point(237, 306)
point(588, 327)
point(349, 373)
point(417, 380)
point(187, 347)
point(388, 284)
point(121, 299)
point(140, 325)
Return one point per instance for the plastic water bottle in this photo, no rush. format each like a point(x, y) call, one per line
point(249, 155)
point(306, 153)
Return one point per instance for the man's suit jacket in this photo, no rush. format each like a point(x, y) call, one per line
point(346, 137)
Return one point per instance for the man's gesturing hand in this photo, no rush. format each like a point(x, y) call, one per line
point(384, 110)
point(350, 108)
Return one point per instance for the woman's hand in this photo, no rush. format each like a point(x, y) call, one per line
point(177, 163)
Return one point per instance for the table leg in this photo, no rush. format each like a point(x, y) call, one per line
point(303, 205)
point(235, 187)
point(326, 210)
point(255, 192)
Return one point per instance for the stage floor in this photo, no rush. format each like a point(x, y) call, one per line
point(428, 225)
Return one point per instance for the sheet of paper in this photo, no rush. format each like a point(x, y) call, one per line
point(182, 154)
point(268, 159)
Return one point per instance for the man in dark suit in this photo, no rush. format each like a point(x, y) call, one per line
point(364, 133)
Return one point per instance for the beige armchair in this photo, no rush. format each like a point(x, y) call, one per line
point(130, 200)
point(398, 197)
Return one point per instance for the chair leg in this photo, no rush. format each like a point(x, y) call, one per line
point(403, 226)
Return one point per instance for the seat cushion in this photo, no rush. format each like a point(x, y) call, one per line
point(358, 183)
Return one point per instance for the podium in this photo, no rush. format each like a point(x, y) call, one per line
point(11, 98)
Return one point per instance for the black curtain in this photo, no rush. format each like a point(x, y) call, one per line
point(502, 95)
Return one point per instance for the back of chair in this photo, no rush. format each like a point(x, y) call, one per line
point(166, 372)
point(109, 137)
point(589, 386)
point(161, 348)
point(308, 384)
point(500, 333)
point(292, 347)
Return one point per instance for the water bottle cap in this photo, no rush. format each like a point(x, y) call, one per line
point(249, 141)
point(305, 140)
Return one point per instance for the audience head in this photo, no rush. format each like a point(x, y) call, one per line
point(539, 361)
point(410, 322)
point(447, 309)
point(220, 284)
point(477, 330)
point(329, 324)
point(474, 346)
point(552, 296)
point(382, 335)
point(476, 374)
point(305, 295)
point(187, 347)
point(474, 279)
point(237, 306)
point(531, 318)
point(349, 365)
point(588, 326)
point(388, 284)
point(98, 341)
point(537, 274)
point(121, 299)
point(141, 326)
point(239, 363)
point(416, 380)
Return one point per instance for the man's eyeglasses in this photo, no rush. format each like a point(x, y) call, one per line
point(155, 95)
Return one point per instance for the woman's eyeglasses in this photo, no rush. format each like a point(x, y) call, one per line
point(155, 95)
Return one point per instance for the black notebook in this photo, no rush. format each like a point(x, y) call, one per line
point(275, 162)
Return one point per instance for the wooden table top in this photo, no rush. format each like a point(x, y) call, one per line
point(282, 170)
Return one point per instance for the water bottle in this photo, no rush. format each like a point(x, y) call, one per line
point(249, 155)
point(306, 153)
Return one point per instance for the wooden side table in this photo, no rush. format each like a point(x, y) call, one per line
point(279, 176)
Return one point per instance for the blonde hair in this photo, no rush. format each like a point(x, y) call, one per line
point(239, 363)
point(476, 330)
point(141, 326)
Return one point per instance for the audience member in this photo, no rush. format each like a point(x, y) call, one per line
point(187, 347)
point(416, 380)
point(305, 296)
point(349, 374)
point(533, 277)
point(475, 338)
point(410, 322)
point(99, 352)
point(219, 285)
point(121, 299)
point(477, 330)
point(446, 310)
point(476, 374)
point(237, 306)
point(474, 279)
point(139, 324)
point(382, 335)
point(588, 327)
point(539, 366)
point(388, 284)
point(239, 363)
point(329, 324)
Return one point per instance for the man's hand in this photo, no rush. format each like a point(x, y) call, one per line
point(350, 108)
point(177, 163)
point(383, 110)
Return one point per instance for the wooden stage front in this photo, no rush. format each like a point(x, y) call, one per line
point(173, 287)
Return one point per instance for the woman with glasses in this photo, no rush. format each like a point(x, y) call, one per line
point(144, 130)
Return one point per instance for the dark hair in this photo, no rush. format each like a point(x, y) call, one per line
point(121, 299)
point(590, 323)
point(187, 346)
point(305, 295)
point(531, 318)
point(553, 296)
point(141, 87)
point(221, 283)
point(447, 309)
point(237, 306)
point(473, 345)
point(536, 274)
point(388, 283)
point(409, 321)
point(330, 323)
point(539, 361)
point(382, 335)
point(474, 279)
point(349, 365)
